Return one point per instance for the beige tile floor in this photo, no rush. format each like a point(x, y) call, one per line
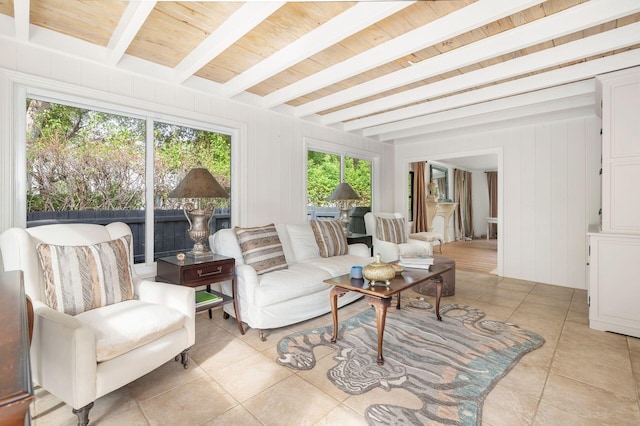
point(579, 377)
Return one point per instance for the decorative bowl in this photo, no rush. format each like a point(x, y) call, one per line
point(397, 267)
point(379, 271)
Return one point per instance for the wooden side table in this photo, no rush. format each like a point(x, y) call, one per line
point(361, 238)
point(200, 272)
point(16, 388)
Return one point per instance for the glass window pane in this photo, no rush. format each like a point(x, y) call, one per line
point(177, 150)
point(323, 175)
point(357, 173)
point(85, 166)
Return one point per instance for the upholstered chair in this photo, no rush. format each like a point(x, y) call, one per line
point(97, 325)
point(391, 239)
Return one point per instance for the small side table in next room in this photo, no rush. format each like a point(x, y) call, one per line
point(199, 272)
point(354, 238)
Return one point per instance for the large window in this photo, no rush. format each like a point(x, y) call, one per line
point(87, 165)
point(325, 171)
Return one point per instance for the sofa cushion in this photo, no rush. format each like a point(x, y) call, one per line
point(261, 248)
point(303, 242)
point(338, 265)
point(125, 326)
point(391, 230)
point(81, 278)
point(329, 237)
point(298, 280)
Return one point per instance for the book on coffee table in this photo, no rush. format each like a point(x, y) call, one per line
point(416, 261)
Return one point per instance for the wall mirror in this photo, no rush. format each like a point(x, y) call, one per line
point(440, 176)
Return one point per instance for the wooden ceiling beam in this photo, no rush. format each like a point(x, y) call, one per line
point(580, 17)
point(419, 125)
point(581, 71)
point(572, 51)
point(21, 12)
point(353, 20)
point(132, 20)
point(235, 27)
point(458, 22)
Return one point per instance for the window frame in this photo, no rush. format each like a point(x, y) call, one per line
point(145, 111)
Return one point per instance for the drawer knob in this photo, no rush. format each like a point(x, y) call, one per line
point(208, 274)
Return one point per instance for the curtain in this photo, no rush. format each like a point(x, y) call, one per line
point(419, 197)
point(464, 213)
point(492, 183)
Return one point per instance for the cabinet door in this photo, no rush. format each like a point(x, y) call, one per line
point(621, 151)
point(615, 284)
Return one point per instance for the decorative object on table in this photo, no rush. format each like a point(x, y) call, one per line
point(181, 256)
point(199, 183)
point(356, 272)
point(398, 268)
point(379, 271)
point(421, 261)
point(449, 365)
point(344, 196)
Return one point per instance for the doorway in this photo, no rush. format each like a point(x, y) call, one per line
point(479, 254)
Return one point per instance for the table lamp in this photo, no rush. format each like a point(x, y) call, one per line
point(198, 183)
point(344, 196)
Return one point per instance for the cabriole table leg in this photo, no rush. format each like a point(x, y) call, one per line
point(380, 305)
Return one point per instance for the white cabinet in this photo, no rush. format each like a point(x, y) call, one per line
point(614, 281)
point(614, 291)
point(620, 92)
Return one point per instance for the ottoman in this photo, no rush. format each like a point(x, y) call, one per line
point(429, 237)
point(428, 288)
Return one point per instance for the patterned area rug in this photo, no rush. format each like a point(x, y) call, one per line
point(450, 365)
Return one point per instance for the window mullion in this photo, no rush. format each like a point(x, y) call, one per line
point(149, 195)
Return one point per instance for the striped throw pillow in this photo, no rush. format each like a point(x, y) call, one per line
point(330, 237)
point(261, 248)
point(81, 278)
point(391, 230)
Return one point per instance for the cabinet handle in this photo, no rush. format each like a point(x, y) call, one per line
point(216, 272)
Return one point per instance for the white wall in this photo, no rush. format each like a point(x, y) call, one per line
point(268, 172)
point(549, 184)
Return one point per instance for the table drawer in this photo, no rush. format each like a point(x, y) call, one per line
point(200, 273)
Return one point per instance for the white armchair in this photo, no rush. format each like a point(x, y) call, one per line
point(391, 251)
point(79, 358)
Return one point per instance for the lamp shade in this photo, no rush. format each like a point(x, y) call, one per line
point(199, 183)
point(344, 191)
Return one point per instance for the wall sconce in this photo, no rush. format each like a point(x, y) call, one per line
point(344, 196)
point(198, 183)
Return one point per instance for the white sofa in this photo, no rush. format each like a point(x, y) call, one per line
point(280, 298)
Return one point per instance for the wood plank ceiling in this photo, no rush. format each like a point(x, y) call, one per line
point(384, 69)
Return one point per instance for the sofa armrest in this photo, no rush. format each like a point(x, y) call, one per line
point(63, 356)
point(247, 281)
point(178, 297)
point(360, 250)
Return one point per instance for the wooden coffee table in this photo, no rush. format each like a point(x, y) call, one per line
point(379, 296)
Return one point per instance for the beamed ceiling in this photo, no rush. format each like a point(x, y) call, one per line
point(386, 70)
